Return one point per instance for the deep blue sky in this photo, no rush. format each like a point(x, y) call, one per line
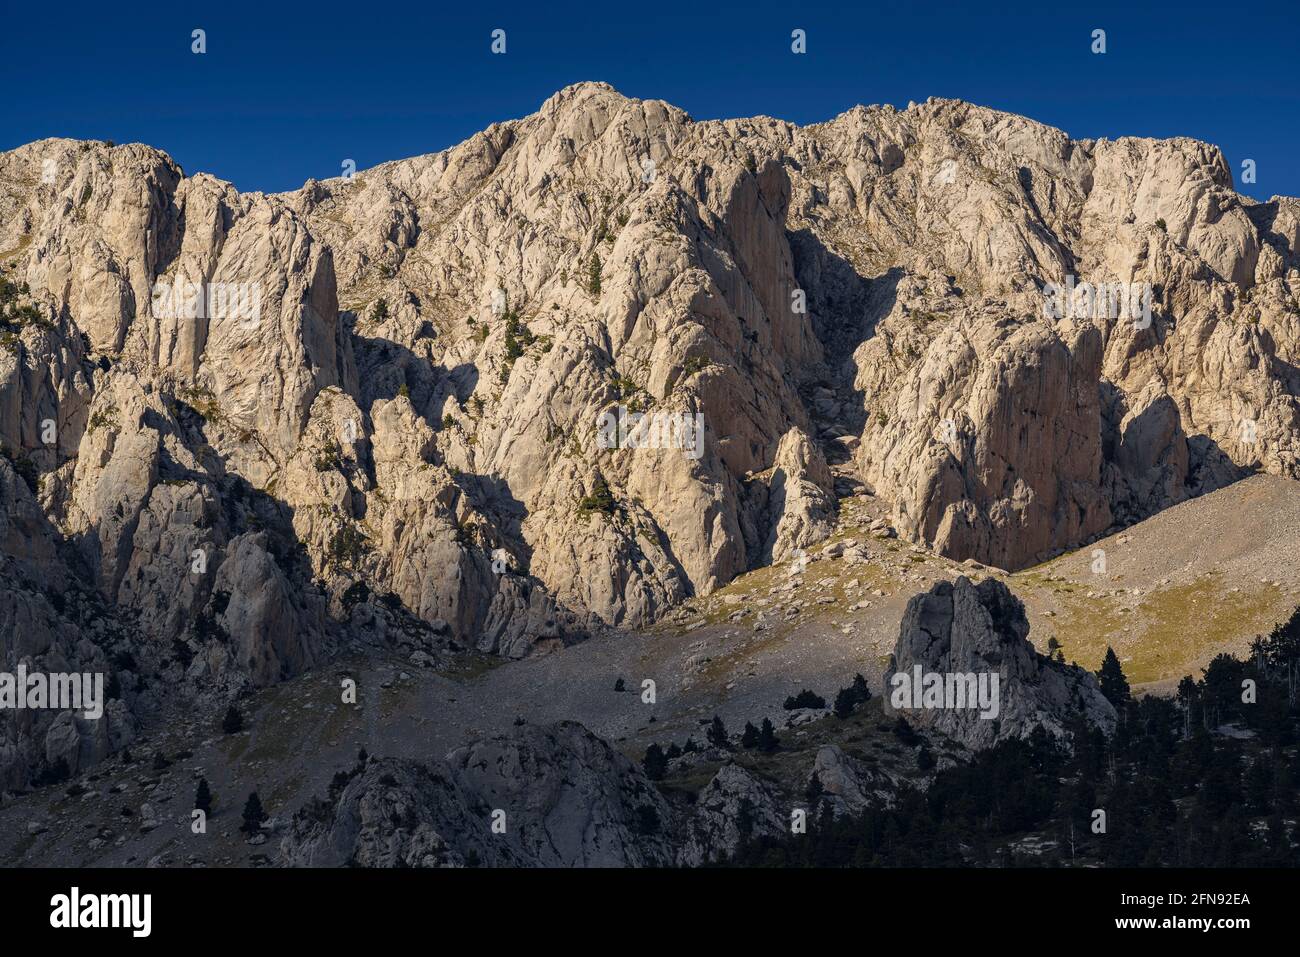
point(287, 91)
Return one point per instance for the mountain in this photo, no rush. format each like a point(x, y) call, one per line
point(248, 437)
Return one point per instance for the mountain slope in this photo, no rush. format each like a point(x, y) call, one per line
point(405, 398)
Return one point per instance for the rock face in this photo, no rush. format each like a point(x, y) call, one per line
point(576, 801)
point(554, 796)
point(964, 629)
point(849, 786)
point(395, 813)
point(800, 497)
point(733, 806)
point(238, 407)
point(997, 450)
point(50, 625)
point(878, 277)
point(1003, 433)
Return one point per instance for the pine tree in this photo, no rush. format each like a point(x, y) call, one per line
point(805, 699)
point(845, 699)
point(860, 689)
point(815, 789)
point(1111, 678)
point(655, 763)
point(1187, 693)
point(924, 758)
point(749, 739)
point(717, 735)
point(767, 740)
point(593, 275)
point(253, 814)
point(903, 732)
point(1221, 687)
point(203, 797)
point(745, 818)
point(233, 721)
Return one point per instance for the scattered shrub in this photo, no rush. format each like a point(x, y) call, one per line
point(805, 699)
point(600, 500)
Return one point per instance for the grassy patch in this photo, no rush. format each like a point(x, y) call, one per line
point(1168, 631)
point(468, 666)
point(18, 250)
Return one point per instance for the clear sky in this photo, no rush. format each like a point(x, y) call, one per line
point(286, 91)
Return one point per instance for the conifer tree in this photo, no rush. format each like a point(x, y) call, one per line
point(655, 762)
point(815, 789)
point(233, 721)
point(1111, 678)
point(203, 797)
point(860, 689)
point(717, 733)
point(254, 815)
point(845, 699)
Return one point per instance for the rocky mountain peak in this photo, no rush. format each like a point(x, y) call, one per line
point(396, 380)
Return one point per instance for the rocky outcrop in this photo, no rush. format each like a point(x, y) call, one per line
point(553, 796)
point(963, 666)
point(800, 497)
point(569, 798)
point(49, 625)
point(275, 632)
point(550, 796)
point(394, 813)
point(849, 786)
point(972, 215)
point(992, 441)
point(733, 807)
